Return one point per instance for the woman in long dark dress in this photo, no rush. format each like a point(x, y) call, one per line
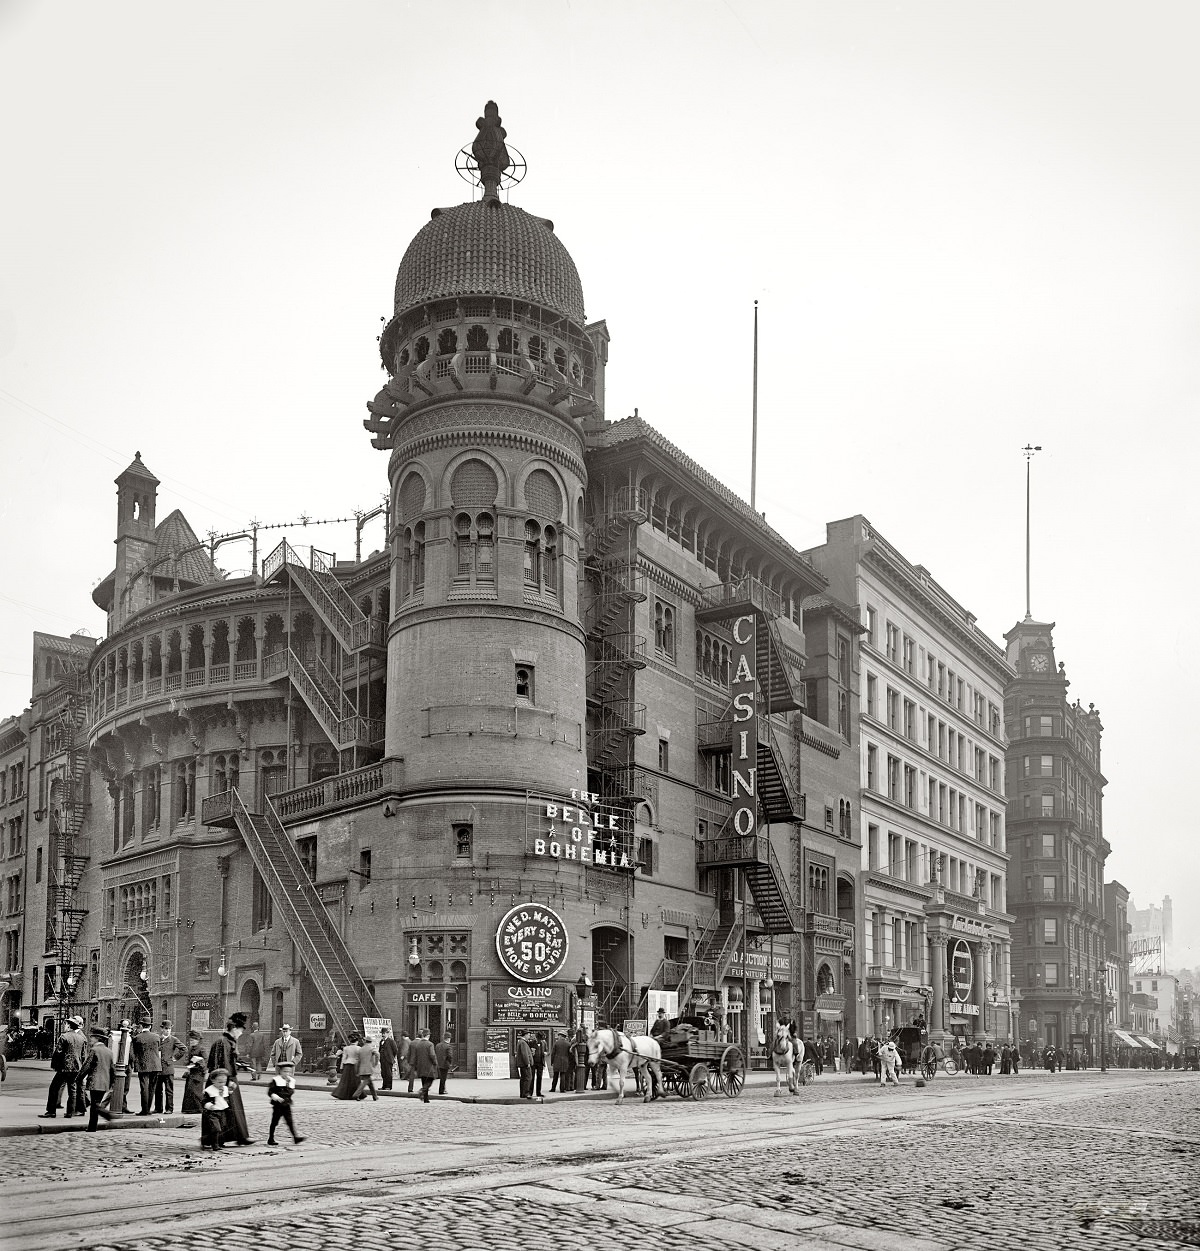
point(195, 1071)
point(348, 1080)
point(223, 1054)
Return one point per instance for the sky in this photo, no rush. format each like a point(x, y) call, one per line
point(969, 226)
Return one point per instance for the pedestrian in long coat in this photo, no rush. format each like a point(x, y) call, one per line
point(223, 1054)
point(525, 1067)
point(195, 1074)
point(389, 1053)
point(424, 1062)
point(347, 1086)
point(561, 1066)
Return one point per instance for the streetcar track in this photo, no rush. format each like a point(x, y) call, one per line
point(405, 1179)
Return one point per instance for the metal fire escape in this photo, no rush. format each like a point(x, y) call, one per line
point(779, 686)
point(70, 849)
point(355, 634)
point(616, 651)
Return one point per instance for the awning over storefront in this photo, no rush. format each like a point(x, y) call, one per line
point(1147, 1042)
point(1126, 1040)
point(829, 1014)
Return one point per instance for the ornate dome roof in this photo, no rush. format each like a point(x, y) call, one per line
point(489, 248)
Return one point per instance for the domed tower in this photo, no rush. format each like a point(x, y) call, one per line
point(492, 372)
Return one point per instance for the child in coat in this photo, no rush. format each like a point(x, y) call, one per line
point(215, 1104)
point(280, 1092)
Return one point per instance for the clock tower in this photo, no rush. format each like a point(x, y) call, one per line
point(1056, 847)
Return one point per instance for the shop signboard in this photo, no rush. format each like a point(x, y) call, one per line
point(526, 1005)
point(374, 1025)
point(962, 967)
point(491, 1064)
point(744, 688)
point(201, 1010)
point(668, 1000)
point(759, 964)
point(578, 828)
point(633, 1028)
point(316, 1020)
point(532, 943)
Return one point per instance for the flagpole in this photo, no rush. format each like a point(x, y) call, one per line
point(1029, 451)
point(754, 415)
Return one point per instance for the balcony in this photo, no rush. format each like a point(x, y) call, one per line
point(343, 790)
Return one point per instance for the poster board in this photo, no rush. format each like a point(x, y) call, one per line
point(316, 1020)
point(373, 1025)
point(655, 999)
point(491, 1064)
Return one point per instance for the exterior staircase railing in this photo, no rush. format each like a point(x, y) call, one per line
point(309, 925)
point(352, 628)
point(343, 725)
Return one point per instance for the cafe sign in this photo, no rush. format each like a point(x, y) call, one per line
point(531, 941)
point(962, 966)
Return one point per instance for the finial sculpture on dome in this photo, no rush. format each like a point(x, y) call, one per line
point(490, 153)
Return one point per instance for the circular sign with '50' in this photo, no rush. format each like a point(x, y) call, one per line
point(531, 942)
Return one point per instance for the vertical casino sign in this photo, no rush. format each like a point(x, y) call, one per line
point(531, 941)
point(745, 725)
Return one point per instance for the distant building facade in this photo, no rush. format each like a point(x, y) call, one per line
point(1057, 844)
point(932, 823)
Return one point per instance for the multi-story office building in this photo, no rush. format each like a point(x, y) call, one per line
point(1057, 844)
point(1151, 933)
point(1116, 931)
point(932, 783)
point(542, 757)
point(14, 835)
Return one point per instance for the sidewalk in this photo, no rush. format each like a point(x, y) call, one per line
point(20, 1108)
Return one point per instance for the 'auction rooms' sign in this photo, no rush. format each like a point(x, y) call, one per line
point(576, 829)
point(961, 968)
point(531, 941)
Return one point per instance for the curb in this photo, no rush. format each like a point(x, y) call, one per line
point(175, 1121)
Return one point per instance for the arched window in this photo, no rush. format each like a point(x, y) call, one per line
point(474, 538)
point(508, 343)
point(533, 564)
point(664, 630)
point(447, 343)
point(416, 558)
point(477, 339)
point(541, 558)
point(825, 982)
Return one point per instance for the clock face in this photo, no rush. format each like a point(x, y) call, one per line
point(1039, 663)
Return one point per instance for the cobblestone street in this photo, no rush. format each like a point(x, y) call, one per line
point(1077, 1160)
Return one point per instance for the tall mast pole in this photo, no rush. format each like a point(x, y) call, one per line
point(754, 414)
point(1029, 451)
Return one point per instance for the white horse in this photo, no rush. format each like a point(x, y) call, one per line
point(787, 1054)
point(626, 1054)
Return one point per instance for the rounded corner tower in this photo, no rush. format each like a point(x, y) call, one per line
point(491, 375)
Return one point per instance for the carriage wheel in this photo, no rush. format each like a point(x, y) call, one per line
point(929, 1064)
point(696, 1086)
point(732, 1072)
point(949, 1065)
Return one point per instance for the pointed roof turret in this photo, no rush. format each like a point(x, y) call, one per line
point(136, 470)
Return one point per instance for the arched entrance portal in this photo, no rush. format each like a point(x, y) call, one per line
point(612, 968)
point(249, 1003)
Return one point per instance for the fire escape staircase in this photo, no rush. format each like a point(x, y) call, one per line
point(756, 858)
point(325, 699)
point(71, 851)
point(355, 633)
point(626, 507)
point(342, 988)
point(778, 801)
point(354, 630)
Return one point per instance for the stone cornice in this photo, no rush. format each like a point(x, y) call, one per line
point(457, 609)
point(526, 426)
point(971, 638)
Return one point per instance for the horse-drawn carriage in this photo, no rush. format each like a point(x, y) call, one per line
point(696, 1063)
point(918, 1053)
